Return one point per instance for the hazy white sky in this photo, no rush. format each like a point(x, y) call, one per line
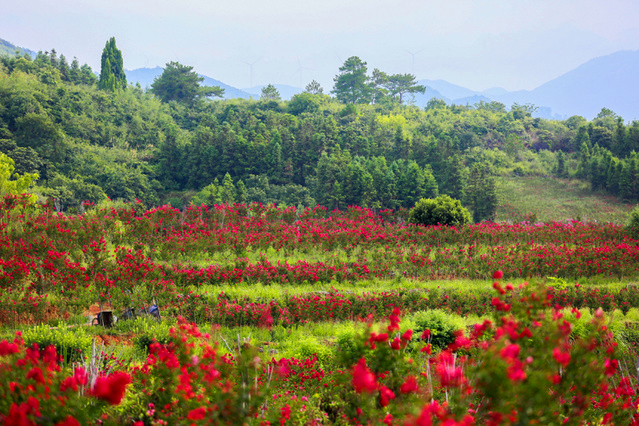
point(515, 44)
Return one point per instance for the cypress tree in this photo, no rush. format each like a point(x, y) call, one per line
point(112, 76)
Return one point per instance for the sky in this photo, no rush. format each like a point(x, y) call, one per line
point(478, 44)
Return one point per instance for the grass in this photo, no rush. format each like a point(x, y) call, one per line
point(553, 199)
point(277, 291)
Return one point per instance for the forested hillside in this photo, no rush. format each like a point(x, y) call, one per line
point(87, 144)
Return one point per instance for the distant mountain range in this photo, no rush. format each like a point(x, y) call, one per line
point(607, 81)
point(7, 48)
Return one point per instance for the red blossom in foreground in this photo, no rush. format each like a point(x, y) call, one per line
point(394, 321)
point(363, 378)
point(498, 275)
point(561, 357)
point(197, 414)
point(69, 421)
point(611, 366)
point(386, 395)
point(450, 375)
point(111, 388)
point(410, 385)
point(286, 414)
point(7, 348)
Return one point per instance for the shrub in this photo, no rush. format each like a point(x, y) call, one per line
point(443, 326)
point(71, 344)
point(442, 210)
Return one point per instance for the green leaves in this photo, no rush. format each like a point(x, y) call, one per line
point(181, 84)
point(442, 210)
point(112, 76)
point(9, 186)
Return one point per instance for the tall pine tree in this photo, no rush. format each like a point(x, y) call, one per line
point(112, 75)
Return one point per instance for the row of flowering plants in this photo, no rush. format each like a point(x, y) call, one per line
point(525, 366)
point(53, 264)
point(348, 306)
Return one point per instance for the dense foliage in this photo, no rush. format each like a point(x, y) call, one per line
point(87, 144)
point(112, 76)
point(181, 84)
point(442, 210)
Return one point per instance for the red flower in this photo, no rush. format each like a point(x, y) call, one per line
point(111, 388)
point(7, 348)
point(515, 371)
point(410, 385)
point(498, 275)
point(394, 320)
point(510, 351)
point(286, 414)
point(36, 374)
point(561, 357)
point(396, 344)
point(611, 366)
point(388, 420)
point(386, 395)
point(449, 375)
point(69, 421)
point(363, 378)
point(197, 414)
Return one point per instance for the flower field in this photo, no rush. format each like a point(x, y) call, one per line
point(532, 354)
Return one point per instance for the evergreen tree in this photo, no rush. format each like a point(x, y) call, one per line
point(481, 194)
point(632, 139)
point(210, 195)
point(270, 93)
point(583, 168)
point(561, 164)
point(402, 145)
point(613, 175)
point(350, 83)
point(582, 137)
point(228, 191)
point(314, 88)
point(625, 181)
point(274, 164)
point(112, 76)
point(454, 180)
point(181, 84)
point(241, 192)
point(620, 142)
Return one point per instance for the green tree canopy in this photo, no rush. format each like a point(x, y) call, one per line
point(442, 210)
point(270, 93)
point(350, 83)
point(181, 84)
point(10, 186)
point(399, 85)
point(314, 88)
point(112, 76)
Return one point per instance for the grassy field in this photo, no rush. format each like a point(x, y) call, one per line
point(563, 199)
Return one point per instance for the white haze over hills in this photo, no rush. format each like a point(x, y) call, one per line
point(608, 81)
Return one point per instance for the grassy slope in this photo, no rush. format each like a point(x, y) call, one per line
point(555, 199)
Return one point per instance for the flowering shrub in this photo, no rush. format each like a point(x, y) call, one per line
point(52, 264)
point(524, 366)
point(36, 390)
